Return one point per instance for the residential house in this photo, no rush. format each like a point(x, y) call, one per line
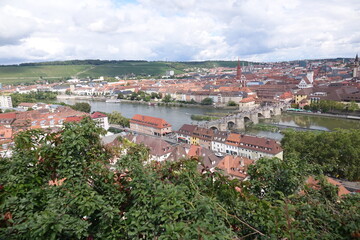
point(218, 142)
point(235, 166)
point(203, 137)
point(207, 159)
point(5, 102)
point(185, 132)
point(252, 147)
point(27, 106)
point(100, 119)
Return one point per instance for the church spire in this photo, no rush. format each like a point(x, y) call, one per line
point(356, 59)
point(238, 71)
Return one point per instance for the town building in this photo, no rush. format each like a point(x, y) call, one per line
point(185, 132)
point(101, 119)
point(218, 142)
point(252, 147)
point(202, 136)
point(247, 104)
point(235, 166)
point(5, 101)
point(150, 125)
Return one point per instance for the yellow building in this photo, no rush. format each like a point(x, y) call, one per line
point(302, 94)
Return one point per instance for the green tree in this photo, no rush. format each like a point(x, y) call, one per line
point(232, 104)
point(336, 152)
point(269, 177)
point(82, 107)
point(352, 106)
point(120, 96)
point(62, 186)
point(167, 98)
point(207, 101)
point(133, 96)
point(116, 118)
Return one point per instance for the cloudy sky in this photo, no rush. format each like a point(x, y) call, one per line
point(173, 30)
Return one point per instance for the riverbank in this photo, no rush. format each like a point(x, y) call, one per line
point(88, 98)
point(325, 115)
point(151, 103)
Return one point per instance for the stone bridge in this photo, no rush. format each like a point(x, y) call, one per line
point(238, 120)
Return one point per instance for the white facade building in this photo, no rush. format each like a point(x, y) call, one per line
point(5, 102)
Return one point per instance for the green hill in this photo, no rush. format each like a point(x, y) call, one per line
point(55, 71)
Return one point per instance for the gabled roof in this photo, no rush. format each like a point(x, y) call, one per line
point(25, 104)
point(11, 115)
point(235, 165)
point(74, 119)
point(158, 147)
point(247, 100)
point(97, 115)
point(314, 184)
point(187, 129)
point(149, 121)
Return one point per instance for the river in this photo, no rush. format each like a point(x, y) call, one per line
point(177, 116)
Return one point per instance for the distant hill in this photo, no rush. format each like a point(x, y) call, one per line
point(60, 70)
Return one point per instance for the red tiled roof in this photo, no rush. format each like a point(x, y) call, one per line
point(7, 115)
point(194, 151)
point(314, 184)
point(149, 121)
point(98, 115)
point(286, 95)
point(247, 100)
point(235, 166)
point(74, 119)
point(25, 104)
point(254, 143)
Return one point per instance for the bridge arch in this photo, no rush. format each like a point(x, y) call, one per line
point(231, 125)
point(214, 128)
point(247, 119)
point(260, 115)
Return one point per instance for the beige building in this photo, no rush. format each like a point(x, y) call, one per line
point(247, 104)
point(150, 125)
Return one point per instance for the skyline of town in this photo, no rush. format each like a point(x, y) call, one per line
point(260, 31)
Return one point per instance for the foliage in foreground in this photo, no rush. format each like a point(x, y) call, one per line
point(59, 186)
point(337, 153)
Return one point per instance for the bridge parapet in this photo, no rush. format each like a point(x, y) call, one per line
point(237, 120)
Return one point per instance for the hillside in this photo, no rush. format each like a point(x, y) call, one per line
point(53, 71)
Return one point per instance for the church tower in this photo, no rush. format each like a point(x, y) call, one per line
point(356, 70)
point(239, 76)
point(238, 71)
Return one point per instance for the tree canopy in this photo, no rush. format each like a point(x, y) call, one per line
point(337, 153)
point(207, 101)
point(116, 118)
point(62, 186)
point(82, 107)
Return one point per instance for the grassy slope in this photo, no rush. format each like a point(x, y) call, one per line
point(16, 74)
point(22, 74)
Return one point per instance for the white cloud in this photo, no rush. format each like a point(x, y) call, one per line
point(261, 30)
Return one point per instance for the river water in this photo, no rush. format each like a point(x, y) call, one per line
point(177, 116)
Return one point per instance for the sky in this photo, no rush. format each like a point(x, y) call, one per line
point(178, 30)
